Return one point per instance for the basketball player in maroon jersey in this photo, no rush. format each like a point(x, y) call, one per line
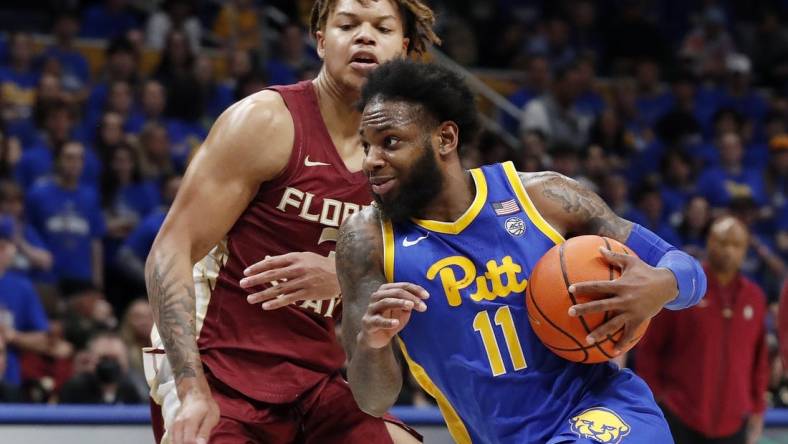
point(278, 173)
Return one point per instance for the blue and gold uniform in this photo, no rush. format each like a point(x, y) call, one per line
point(474, 349)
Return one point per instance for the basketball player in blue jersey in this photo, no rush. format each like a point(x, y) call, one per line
point(438, 269)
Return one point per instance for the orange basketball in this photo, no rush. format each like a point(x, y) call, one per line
point(548, 299)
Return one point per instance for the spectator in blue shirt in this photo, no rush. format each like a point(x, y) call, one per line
point(33, 258)
point(126, 197)
point(18, 82)
point(217, 96)
point(653, 99)
point(23, 323)
point(119, 100)
point(292, 57)
point(762, 263)
point(153, 100)
point(108, 19)
point(694, 227)
point(678, 183)
point(122, 64)
point(615, 191)
point(537, 78)
point(680, 124)
point(69, 217)
point(589, 101)
point(652, 210)
point(740, 95)
point(74, 68)
point(37, 162)
point(720, 184)
point(555, 113)
point(155, 144)
point(109, 135)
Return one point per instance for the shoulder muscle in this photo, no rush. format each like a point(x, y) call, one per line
point(249, 144)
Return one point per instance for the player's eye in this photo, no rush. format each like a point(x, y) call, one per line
point(346, 26)
point(384, 29)
point(365, 146)
point(390, 141)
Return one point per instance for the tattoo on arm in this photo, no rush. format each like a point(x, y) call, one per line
point(584, 211)
point(355, 258)
point(375, 376)
point(173, 303)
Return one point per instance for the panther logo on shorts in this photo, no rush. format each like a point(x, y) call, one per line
point(600, 424)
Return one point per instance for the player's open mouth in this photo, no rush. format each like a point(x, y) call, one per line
point(363, 61)
point(381, 185)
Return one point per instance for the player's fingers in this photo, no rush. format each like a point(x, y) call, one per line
point(417, 290)
point(383, 305)
point(256, 298)
point(620, 260)
point(284, 300)
point(275, 291)
point(627, 337)
point(378, 322)
point(608, 328)
point(190, 427)
point(398, 293)
point(597, 306)
point(266, 277)
point(204, 432)
point(269, 263)
point(177, 431)
point(594, 287)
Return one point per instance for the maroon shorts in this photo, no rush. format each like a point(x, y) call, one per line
point(326, 414)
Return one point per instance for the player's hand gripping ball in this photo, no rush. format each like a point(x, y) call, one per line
point(548, 299)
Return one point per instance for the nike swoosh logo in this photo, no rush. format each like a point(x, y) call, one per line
point(407, 243)
point(309, 163)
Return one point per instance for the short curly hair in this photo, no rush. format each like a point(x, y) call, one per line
point(442, 93)
point(418, 21)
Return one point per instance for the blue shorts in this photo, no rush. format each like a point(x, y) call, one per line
point(622, 410)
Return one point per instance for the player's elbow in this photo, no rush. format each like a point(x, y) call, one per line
point(371, 406)
point(371, 401)
point(375, 411)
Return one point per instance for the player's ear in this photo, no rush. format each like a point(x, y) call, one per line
point(405, 43)
point(449, 137)
point(321, 44)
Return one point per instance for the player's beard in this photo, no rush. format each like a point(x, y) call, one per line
point(416, 191)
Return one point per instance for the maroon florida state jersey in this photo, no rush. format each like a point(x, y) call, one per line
point(274, 356)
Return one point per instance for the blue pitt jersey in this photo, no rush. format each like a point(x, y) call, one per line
point(474, 349)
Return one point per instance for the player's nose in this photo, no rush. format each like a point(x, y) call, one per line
point(374, 159)
point(365, 35)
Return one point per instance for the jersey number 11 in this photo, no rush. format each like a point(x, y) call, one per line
point(503, 318)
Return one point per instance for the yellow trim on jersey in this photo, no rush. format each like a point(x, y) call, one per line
point(456, 427)
point(388, 249)
point(528, 205)
point(470, 214)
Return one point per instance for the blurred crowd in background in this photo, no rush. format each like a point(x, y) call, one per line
point(674, 111)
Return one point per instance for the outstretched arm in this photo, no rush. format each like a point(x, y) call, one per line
point(373, 313)
point(662, 276)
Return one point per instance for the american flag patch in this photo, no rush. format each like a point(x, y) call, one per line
point(504, 208)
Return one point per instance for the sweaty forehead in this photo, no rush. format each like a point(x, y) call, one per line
point(380, 114)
